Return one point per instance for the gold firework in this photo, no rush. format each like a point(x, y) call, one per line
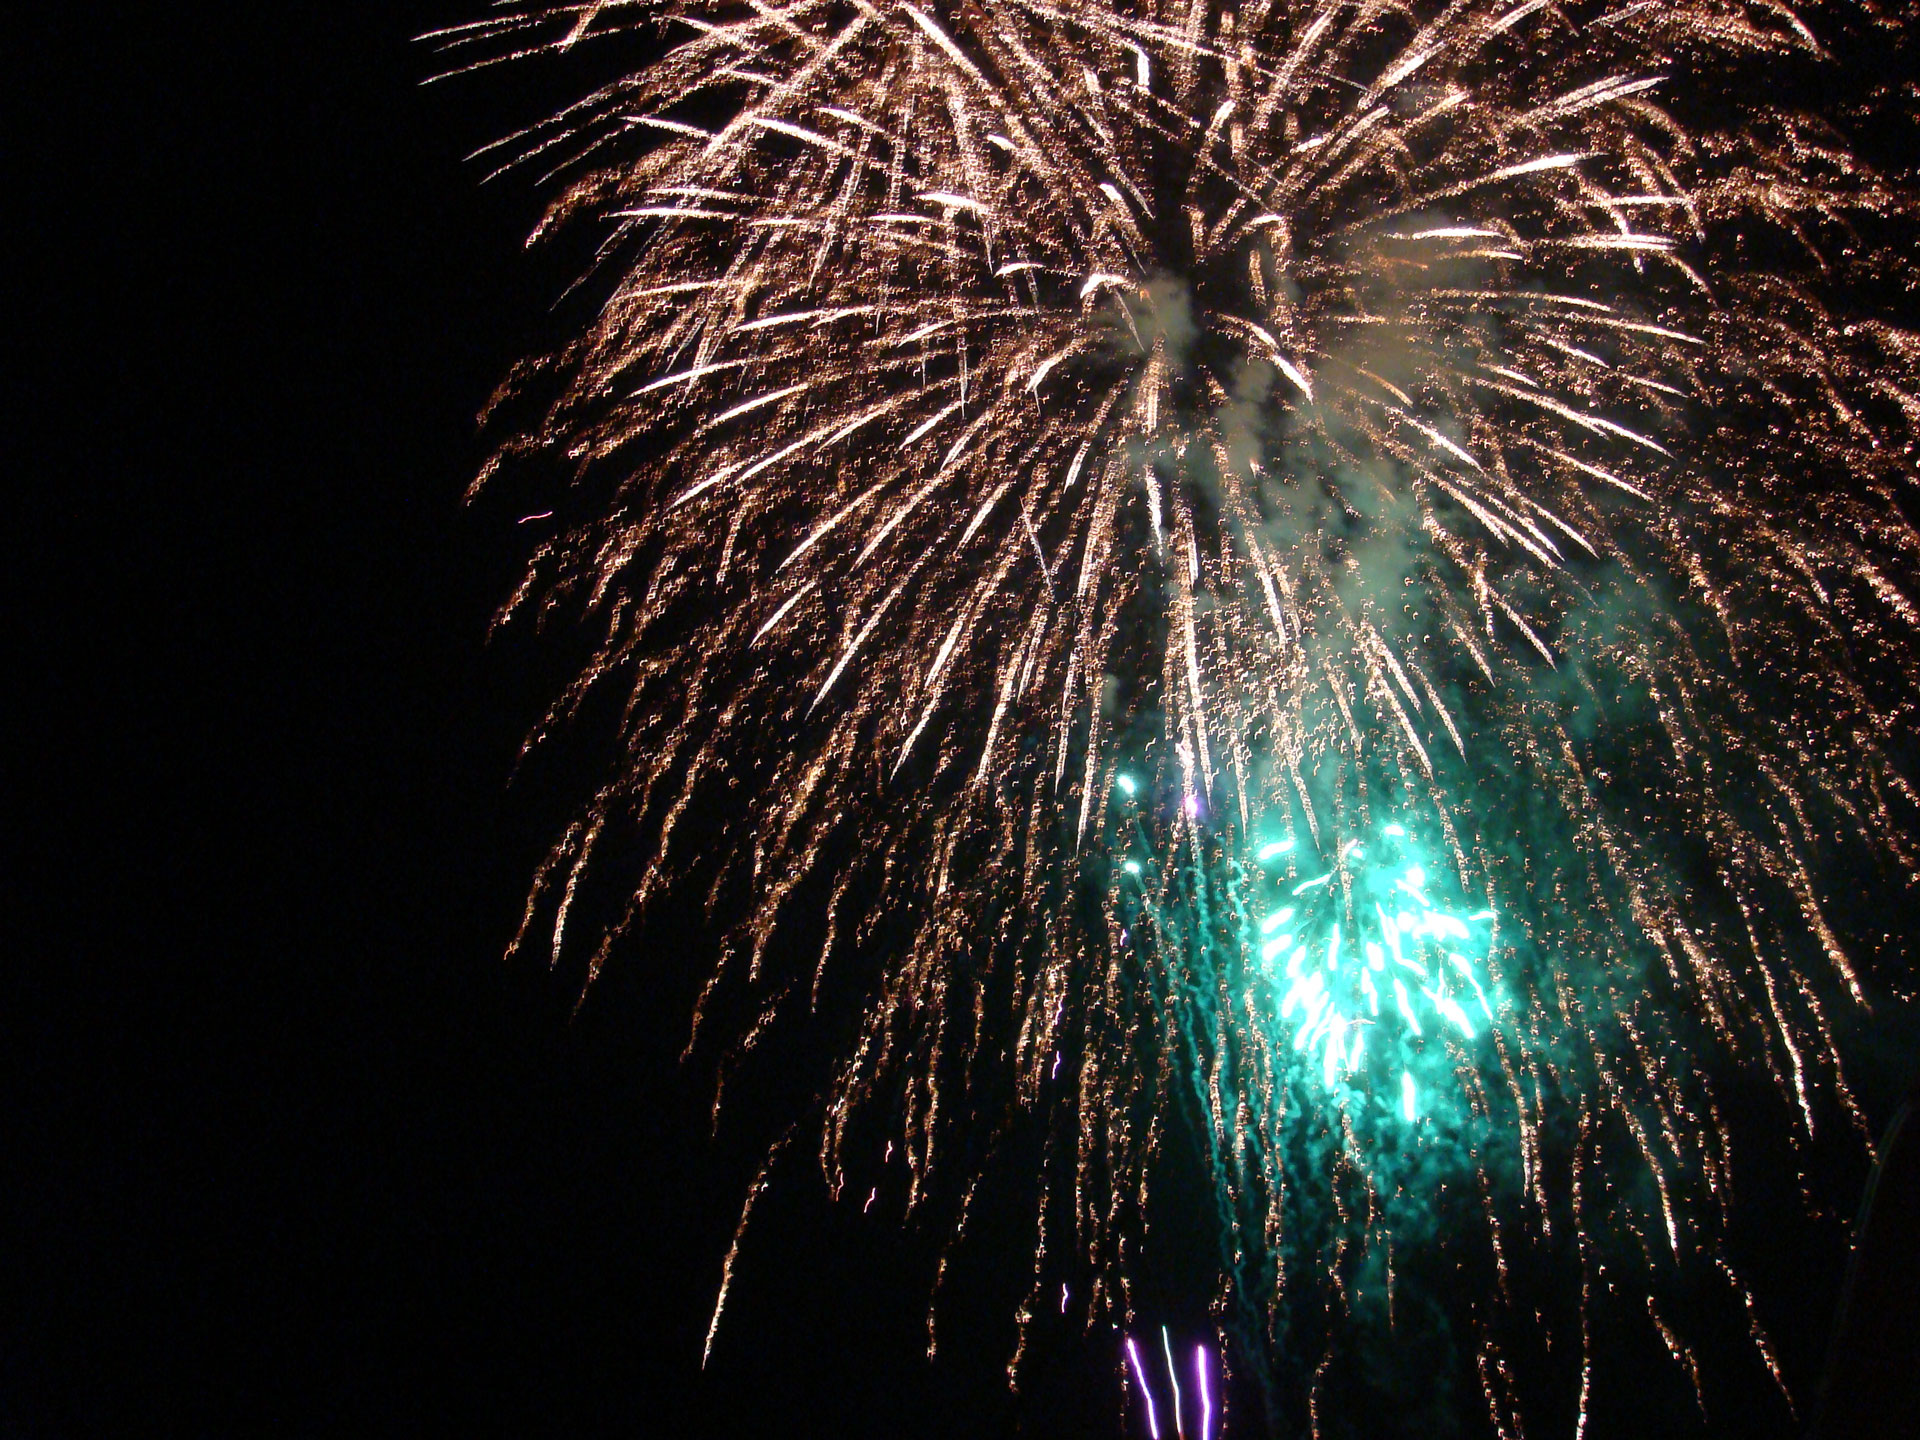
point(1316, 420)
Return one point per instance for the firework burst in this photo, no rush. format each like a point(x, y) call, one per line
point(1342, 569)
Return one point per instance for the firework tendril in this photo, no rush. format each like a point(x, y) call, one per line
point(1338, 579)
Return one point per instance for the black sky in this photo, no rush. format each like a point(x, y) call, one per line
point(289, 1148)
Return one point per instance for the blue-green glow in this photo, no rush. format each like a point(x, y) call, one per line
point(1127, 785)
point(1355, 970)
point(1384, 977)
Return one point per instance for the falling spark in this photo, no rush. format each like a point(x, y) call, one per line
point(1146, 1390)
point(1173, 1378)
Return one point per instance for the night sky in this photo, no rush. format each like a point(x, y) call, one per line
point(290, 1148)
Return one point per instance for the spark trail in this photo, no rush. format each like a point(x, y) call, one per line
point(1345, 569)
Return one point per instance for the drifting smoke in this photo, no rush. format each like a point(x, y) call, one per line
point(1337, 576)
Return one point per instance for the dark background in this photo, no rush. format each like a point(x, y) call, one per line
point(289, 1148)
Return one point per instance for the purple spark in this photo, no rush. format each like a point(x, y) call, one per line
point(1206, 1398)
point(1140, 1373)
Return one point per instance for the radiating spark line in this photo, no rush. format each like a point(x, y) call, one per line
point(1146, 1390)
point(1173, 1378)
point(1206, 1397)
